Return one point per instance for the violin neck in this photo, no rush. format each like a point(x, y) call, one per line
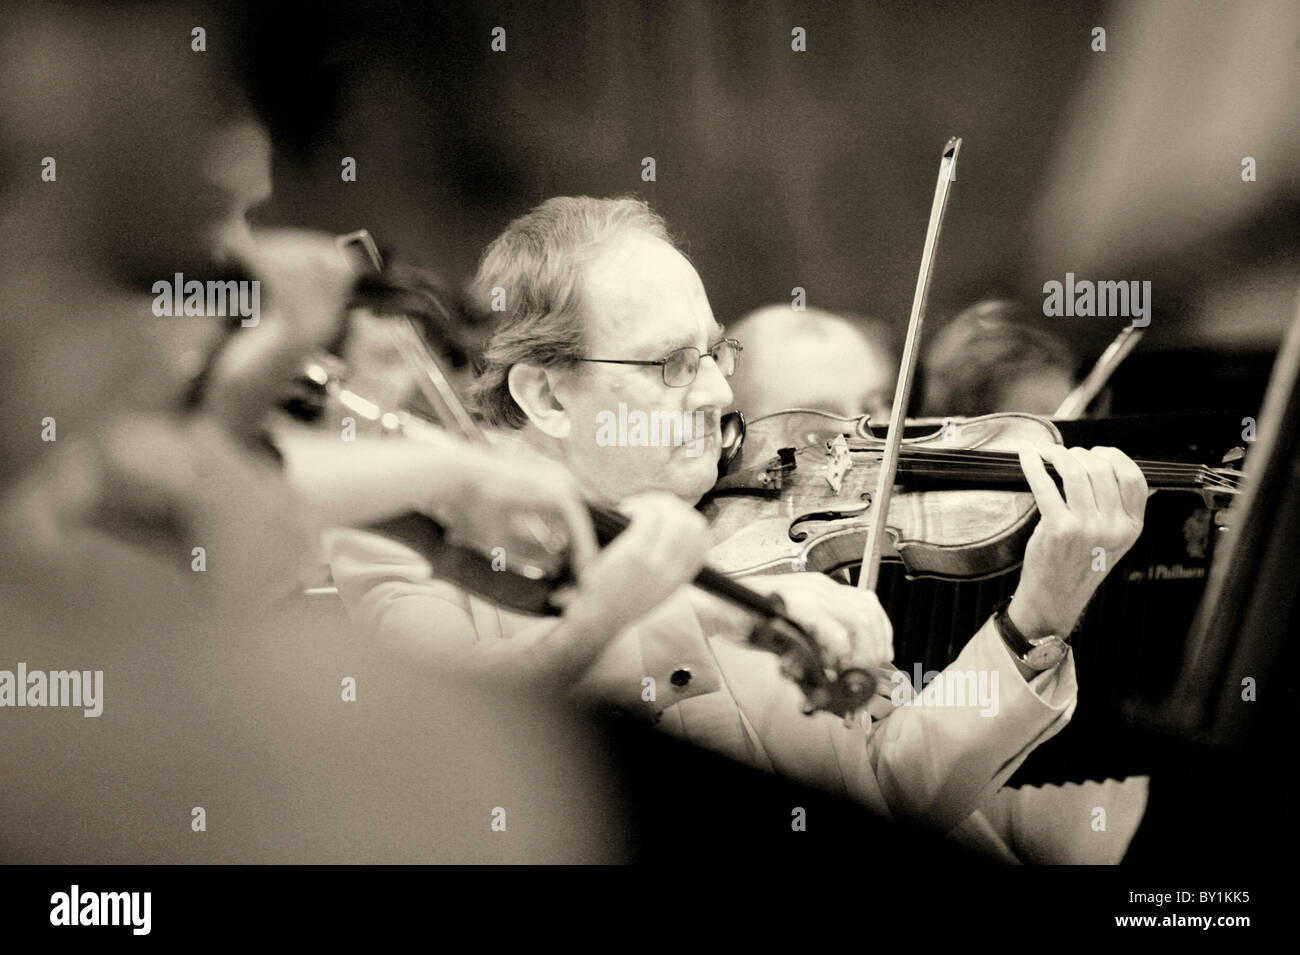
point(973, 468)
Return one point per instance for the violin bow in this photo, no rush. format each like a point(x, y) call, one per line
point(871, 553)
point(1077, 401)
point(433, 383)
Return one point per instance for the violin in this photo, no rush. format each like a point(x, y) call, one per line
point(949, 504)
point(799, 493)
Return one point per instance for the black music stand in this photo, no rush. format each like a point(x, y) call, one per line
point(1230, 718)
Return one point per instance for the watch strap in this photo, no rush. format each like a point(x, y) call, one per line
point(1036, 654)
point(1011, 634)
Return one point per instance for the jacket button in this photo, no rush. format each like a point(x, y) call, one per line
point(681, 676)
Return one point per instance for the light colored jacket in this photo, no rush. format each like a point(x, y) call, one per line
point(926, 761)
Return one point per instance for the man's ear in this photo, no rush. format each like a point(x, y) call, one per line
point(533, 388)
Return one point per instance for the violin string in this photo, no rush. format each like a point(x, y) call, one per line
point(1009, 461)
point(1006, 464)
point(1011, 464)
point(1007, 457)
point(1010, 458)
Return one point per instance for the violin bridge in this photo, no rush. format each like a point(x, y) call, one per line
point(840, 460)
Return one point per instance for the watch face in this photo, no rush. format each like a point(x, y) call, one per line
point(1047, 653)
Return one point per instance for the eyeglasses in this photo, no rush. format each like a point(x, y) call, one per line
point(681, 366)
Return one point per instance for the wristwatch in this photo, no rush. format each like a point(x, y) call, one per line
point(1042, 653)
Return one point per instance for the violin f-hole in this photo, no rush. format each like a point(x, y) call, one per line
point(799, 530)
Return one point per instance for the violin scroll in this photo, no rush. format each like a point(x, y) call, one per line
point(842, 695)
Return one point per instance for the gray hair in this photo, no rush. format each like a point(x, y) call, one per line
point(535, 264)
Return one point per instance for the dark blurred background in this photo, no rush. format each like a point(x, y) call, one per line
point(781, 169)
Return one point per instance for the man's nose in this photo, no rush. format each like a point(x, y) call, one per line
point(710, 386)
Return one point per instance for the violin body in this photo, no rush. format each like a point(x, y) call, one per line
point(963, 534)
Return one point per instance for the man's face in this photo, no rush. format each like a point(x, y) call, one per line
point(642, 300)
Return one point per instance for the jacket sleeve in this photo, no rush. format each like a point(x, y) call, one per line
point(936, 759)
point(932, 759)
point(392, 598)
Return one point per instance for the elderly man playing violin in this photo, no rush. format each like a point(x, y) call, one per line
point(602, 310)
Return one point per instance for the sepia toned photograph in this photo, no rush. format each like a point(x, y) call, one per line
point(848, 444)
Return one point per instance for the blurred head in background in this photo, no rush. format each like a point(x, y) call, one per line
point(454, 333)
point(995, 357)
point(813, 359)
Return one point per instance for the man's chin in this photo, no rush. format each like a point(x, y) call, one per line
point(687, 475)
point(700, 479)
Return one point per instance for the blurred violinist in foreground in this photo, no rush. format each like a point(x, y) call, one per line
point(149, 535)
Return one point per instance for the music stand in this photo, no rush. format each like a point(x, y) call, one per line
point(1234, 666)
